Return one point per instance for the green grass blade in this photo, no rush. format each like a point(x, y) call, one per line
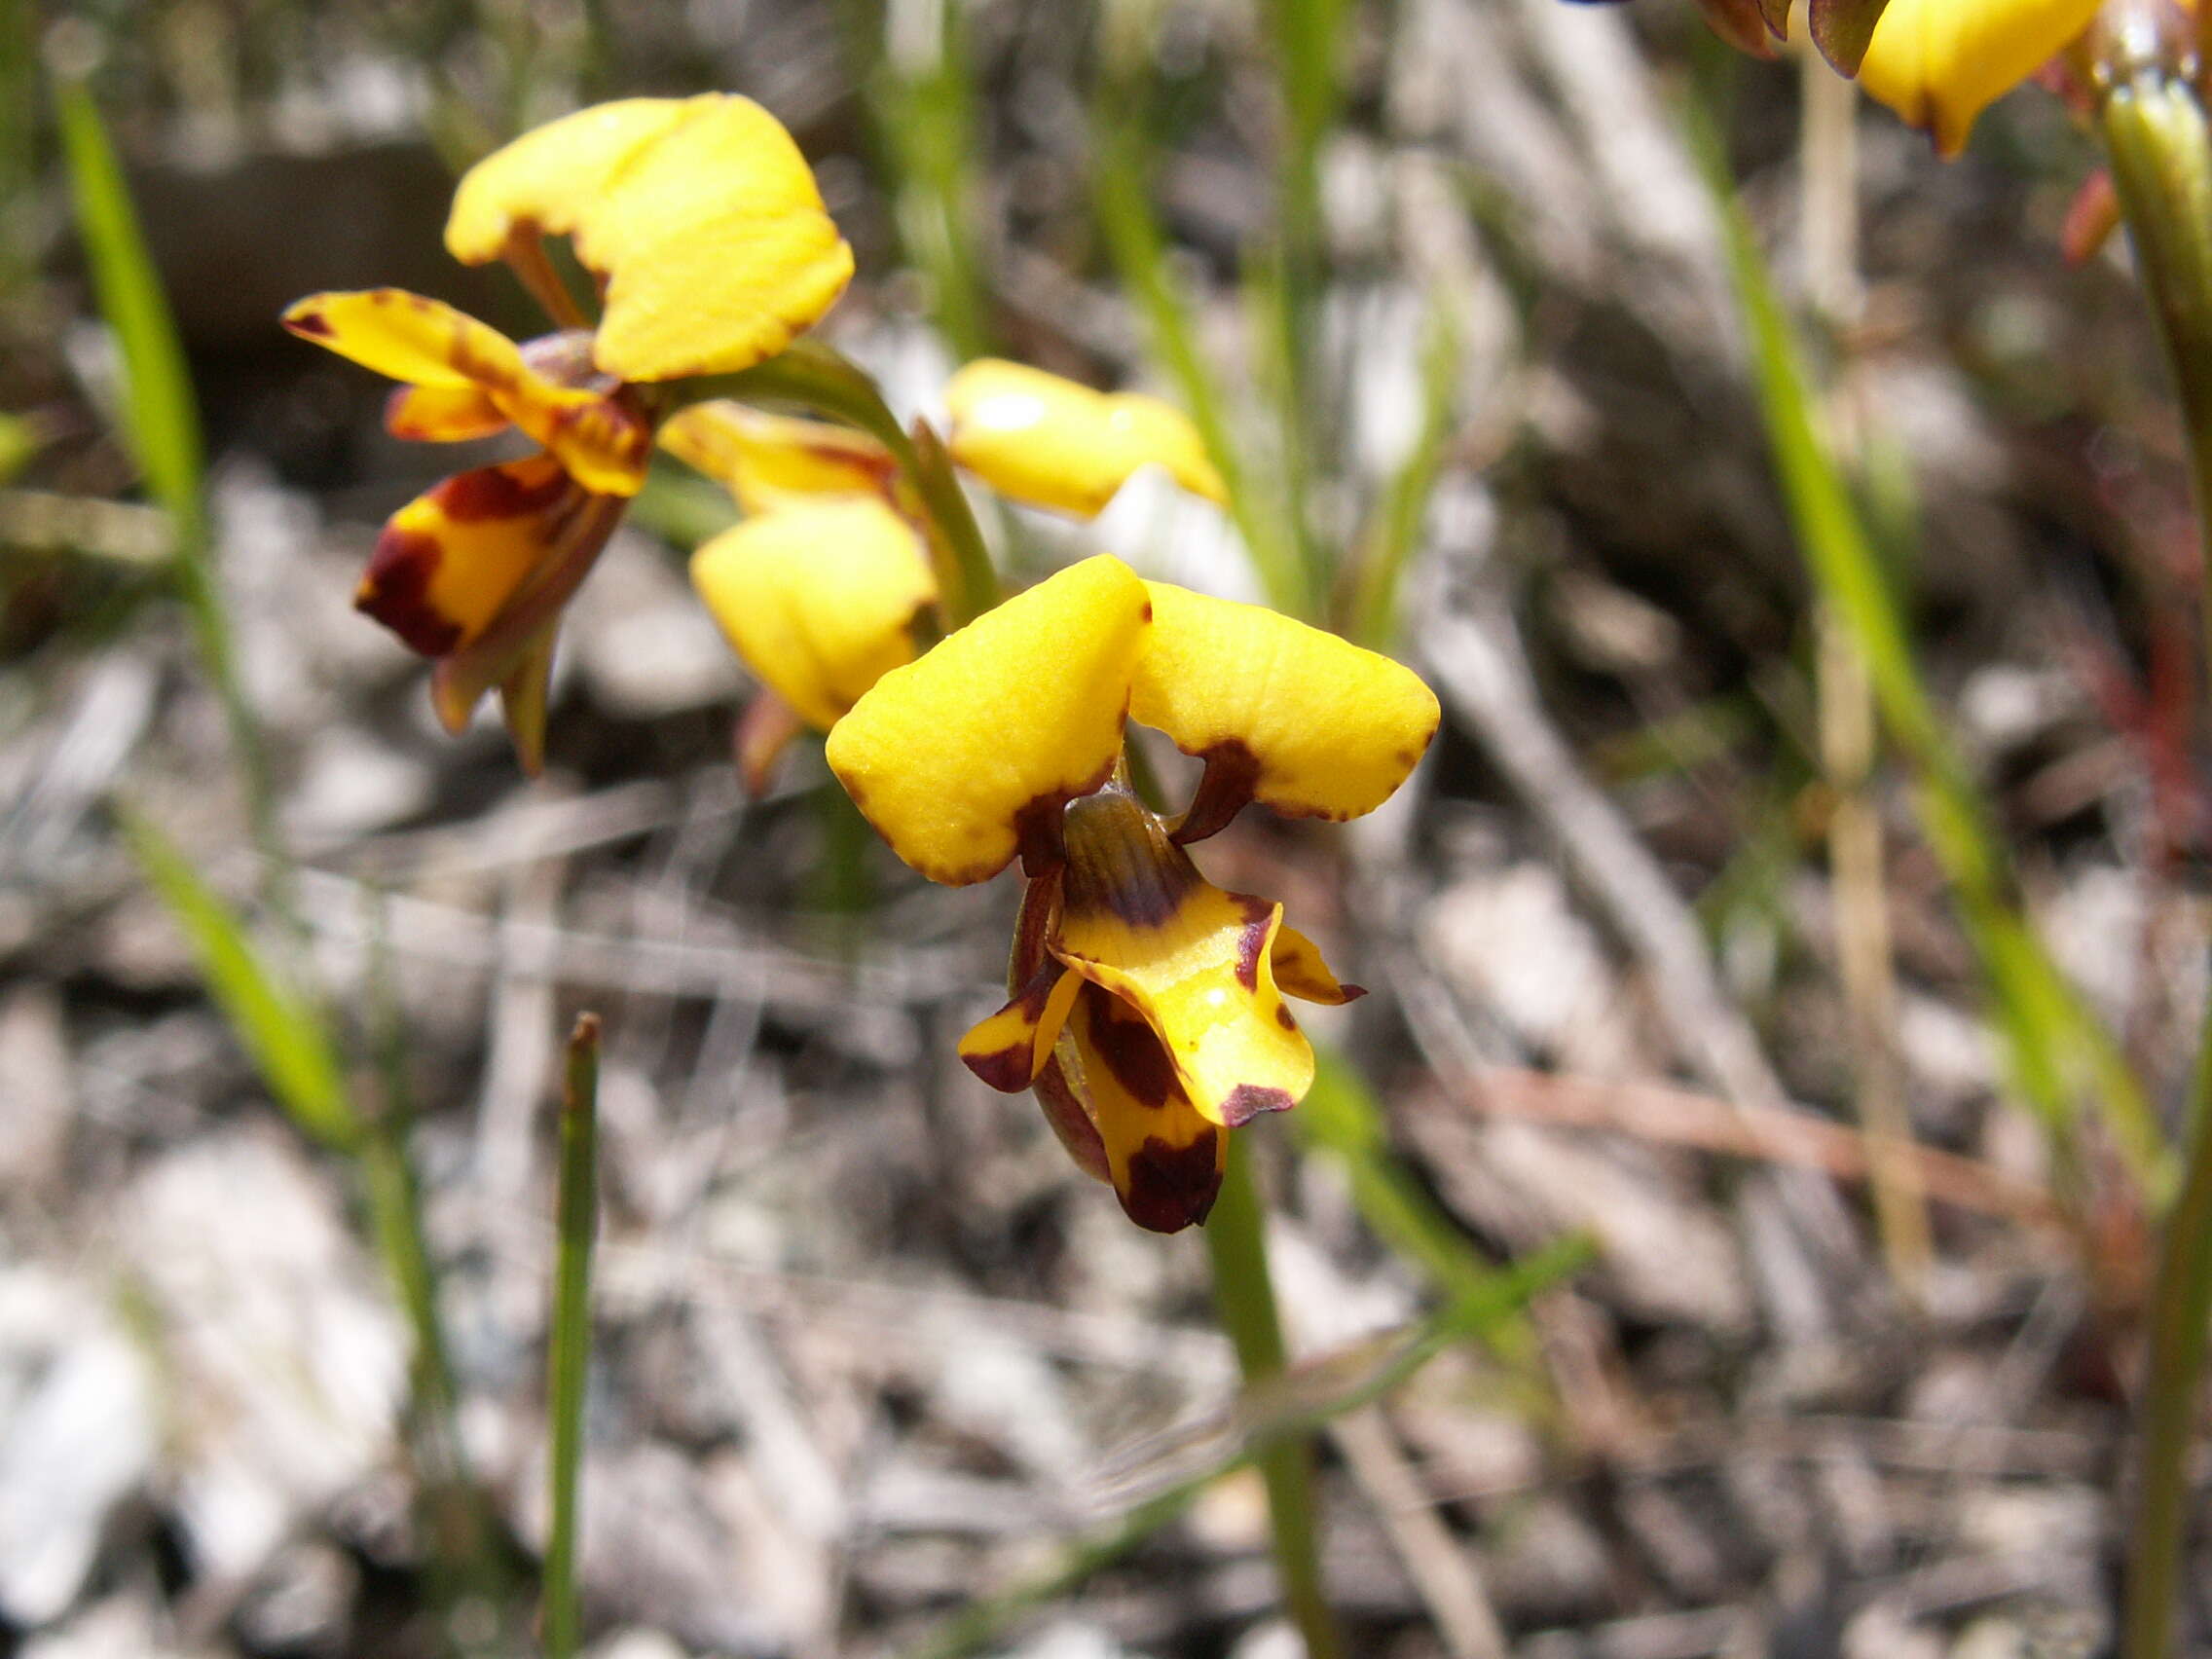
point(162, 426)
point(570, 1361)
point(2055, 1046)
point(281, 1032)
point(1139, 253)
point(1389, 546)
point(925, 108)
point(1342, 1118)
point(159, 415)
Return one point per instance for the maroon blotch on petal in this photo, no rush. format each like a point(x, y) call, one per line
point(1232, 774)
point(1128, 1048)
point(1172, 1187)
point(1252, 940)
point(1247, 1100)
point(496, 493)
point(395, 590)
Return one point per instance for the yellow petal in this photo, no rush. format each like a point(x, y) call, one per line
point(1319, 727)
point(1139, 921)
point(427, 343)
point(1055, 443)
point(1164, 1157)
point(407, 337)
point(766, 460)
point(819, 598)
point(1008, 1048)
point(443, 414)
point(960, 755)
point(449, 561)
point(716, 246)
point(1940, 64)
point(1301, 972)
point(544, 181)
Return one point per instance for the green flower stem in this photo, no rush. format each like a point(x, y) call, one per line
point(2155, 134)
point(811, 376)
point(1244, 1300)
point(568, 1362)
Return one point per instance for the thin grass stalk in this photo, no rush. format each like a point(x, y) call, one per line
point(925, 107)
point(1289, 286)
point(1244, 1300)
point(1848, 733)
point(2155, 134)
point(2054, 1045)
point(1394, 530)
point(161, 425)
point(1140, 259)
point(569, 1360)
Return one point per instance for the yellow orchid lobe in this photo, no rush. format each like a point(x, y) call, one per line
point(699, 217)
point(966, 755)
point(818, 598)
point(1054, 443)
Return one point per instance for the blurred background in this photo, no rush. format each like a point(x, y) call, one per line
point(1655, 932)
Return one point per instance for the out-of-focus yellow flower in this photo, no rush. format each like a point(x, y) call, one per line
point(699, 215)
point(1148, 1005)
point(819, 590)
point(1055, 443)
point(1940, 64)
point(818, 598)
point(711, 241)
point(768, 462)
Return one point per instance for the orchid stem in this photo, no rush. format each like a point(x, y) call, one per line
point(814, 378)
point(1244, 1300)
point(569, 1360)
point(2157, 138)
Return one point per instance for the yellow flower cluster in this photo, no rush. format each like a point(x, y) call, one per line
point(1147, 1009)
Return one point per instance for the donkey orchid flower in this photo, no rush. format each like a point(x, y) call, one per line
point(818, 589)
point(1148, 1006)
point(705, 230)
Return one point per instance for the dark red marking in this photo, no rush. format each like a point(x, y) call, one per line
point(1232, 775)
point(503, 492)
point(1171, 1187)
point(395, 590)
point(1253, 938)
point(1126, 1043)
point(1008, 1070)
point(311, 325)
point(1247, 1100)
point(1284, 1017)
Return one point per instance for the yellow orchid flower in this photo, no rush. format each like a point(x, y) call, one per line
point(1055, 443)
point(713, 247)
point(818, 591)
point(1940, 64)
point(818, 598)
point(1147, 1007)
